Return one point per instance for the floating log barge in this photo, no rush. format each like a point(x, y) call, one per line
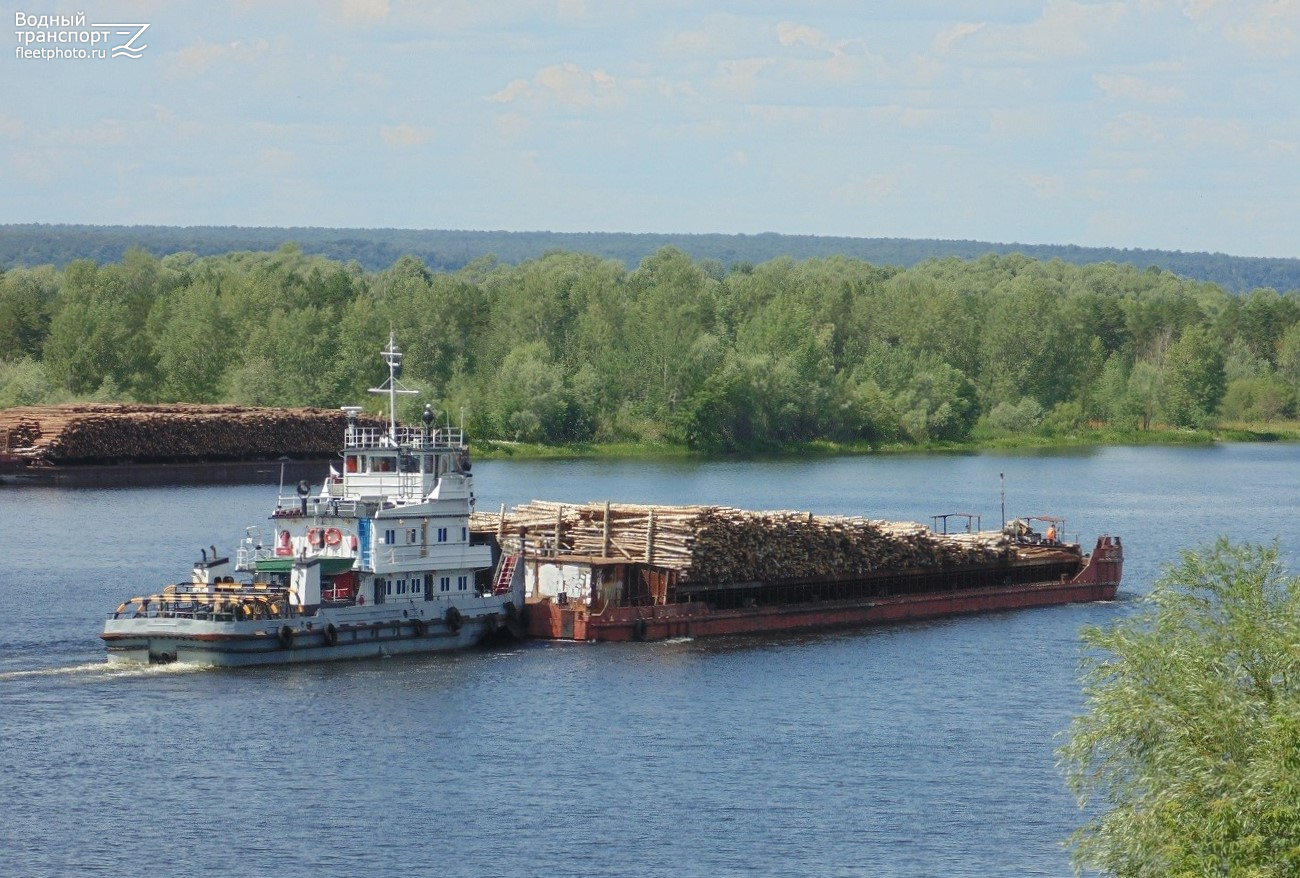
point(605, 571)
point(98, 444)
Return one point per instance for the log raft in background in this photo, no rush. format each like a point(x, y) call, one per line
point(719, 544)
point(112, 433)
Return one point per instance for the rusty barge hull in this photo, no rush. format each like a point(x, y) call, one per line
point(841, 603)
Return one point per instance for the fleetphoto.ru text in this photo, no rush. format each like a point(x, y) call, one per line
point(70, 38)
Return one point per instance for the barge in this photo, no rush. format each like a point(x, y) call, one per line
point(130, 444)
point(376, 560)
point(633, 573)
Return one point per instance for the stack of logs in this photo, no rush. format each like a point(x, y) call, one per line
point(717, 544)
point(109, 433)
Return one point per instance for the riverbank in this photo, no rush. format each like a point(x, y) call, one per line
point(1288, 431)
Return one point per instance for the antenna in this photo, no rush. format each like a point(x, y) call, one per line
point(1002, 479)
point(392, 387)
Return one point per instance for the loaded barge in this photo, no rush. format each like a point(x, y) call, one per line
point(387, 556)
point(119, 444)
point(601, 572)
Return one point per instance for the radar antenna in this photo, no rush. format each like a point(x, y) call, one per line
point(392, 387)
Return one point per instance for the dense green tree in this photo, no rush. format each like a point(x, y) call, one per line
point(26, 297)
point(531, 401)
point(1187, 758)
point(91, 333)
point(193, 347)
point(671, 305)
point(23, 382)
point(1195, 380)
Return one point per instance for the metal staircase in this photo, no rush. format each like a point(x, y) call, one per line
point(505, 574)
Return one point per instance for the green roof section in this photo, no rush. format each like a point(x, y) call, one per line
point(328, 566)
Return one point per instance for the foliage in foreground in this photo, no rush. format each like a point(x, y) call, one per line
point(1189, 752)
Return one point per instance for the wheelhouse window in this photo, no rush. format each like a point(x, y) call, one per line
point(462, 583)
point(444, 583)
point(442, 534)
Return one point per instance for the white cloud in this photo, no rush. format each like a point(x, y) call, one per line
point(873, 188)
point(1044, 185)
point(1064, 30)
point(565, 85)
point(790, 34)
point(740, 75)
point(364, 11)
point(199, 58)
point(1270, 28)
point(405, 135)
point(10, 128)
point(945, 39)
point(1137, 89)
point(1134, 130)
point(275, 160)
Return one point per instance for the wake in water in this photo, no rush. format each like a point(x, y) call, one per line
point(103, 670)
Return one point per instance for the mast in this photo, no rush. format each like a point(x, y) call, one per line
point(392, 387)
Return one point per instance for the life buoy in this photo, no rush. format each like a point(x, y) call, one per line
point(285, 547)
point(285, 636)
point(331, 634)
point(639, 629)
point(333, 536)
point(453, 619)
point(313, 536)
point(419, 628)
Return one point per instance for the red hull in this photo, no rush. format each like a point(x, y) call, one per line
point(1097, 581)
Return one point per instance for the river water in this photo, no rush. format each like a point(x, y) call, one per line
point(910, 750)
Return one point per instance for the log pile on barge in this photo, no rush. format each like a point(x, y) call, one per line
point(720, 544)
point(605, 571)
point(50, 442)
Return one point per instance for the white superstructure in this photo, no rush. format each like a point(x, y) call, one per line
point(378, 560)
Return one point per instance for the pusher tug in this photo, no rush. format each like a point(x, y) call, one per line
point(379, 561)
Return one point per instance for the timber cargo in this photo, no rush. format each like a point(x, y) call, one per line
point(619, 572)
point(109, 443)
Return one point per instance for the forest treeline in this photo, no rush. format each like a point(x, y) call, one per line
point(30, 244)
point(572, 347)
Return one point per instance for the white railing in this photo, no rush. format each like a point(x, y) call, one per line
point(361, 438)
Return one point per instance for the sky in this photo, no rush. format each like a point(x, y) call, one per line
point(1165, 124)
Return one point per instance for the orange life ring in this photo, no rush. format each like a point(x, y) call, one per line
point(313, 536)
point(333, 536)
